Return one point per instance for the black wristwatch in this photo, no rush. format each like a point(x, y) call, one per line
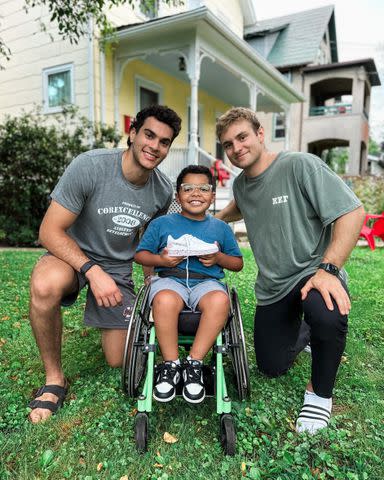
point(330, 268)
point(87, 266)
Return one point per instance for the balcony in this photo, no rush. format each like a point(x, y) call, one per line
point(337, 109)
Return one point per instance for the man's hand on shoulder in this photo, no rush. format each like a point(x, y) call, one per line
point(329, 287)
point(103, 287)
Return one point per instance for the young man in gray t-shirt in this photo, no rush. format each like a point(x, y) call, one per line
point(91, 230)
point(302, 223)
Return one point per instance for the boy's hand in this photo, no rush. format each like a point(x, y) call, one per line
point(211, 259)
point(168, 261)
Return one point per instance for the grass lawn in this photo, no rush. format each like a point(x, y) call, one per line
point(92, 437)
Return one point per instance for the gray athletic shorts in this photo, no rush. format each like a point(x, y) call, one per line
point(102, 317)
point(190, 296)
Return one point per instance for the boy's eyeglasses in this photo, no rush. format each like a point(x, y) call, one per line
point(191, 187)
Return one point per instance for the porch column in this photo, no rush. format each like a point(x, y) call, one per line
point(194, 76)
point(253, 94)
point(116, 88)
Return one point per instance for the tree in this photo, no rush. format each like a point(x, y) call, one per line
point(72, 16)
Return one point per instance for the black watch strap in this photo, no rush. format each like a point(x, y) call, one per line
point(330, 268)
point(87, 266)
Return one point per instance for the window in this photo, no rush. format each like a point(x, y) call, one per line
point(147, 93)
point(278, 126)
point(148, 98)
point(57, 88)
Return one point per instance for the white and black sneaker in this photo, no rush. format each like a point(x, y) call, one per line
point(167, 376)
point(193, 389)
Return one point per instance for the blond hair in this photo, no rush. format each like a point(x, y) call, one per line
point(234, 115)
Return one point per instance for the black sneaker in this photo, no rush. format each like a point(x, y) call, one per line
point(193, 390)
point(167, 377)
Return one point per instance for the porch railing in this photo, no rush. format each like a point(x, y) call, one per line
point(177, 159)
point(338, 109)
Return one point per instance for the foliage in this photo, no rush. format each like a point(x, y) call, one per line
point(33, 155)
point(92, 436)
point(370, 190)
point(72, 17)
point(373, 147)
point(337, 158)
point(5, 53)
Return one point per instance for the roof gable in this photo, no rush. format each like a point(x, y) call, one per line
point(294, 39)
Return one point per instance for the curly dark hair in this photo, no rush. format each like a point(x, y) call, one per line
point(162, 113)
point(196, 169)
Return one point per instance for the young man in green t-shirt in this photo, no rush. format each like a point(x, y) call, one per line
point(302, 223)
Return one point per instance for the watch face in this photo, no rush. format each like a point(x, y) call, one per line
point(330, 268)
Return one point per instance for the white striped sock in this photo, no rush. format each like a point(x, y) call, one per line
point(315, 413)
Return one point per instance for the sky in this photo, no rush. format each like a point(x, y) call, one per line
point(360, 34)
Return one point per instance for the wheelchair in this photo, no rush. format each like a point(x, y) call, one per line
point(139, 365)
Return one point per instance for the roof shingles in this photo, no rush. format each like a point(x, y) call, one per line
point(299, 38)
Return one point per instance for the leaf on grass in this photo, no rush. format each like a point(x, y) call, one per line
point(2, 342)
point(315, 472)
point(158, 465)
point(124, 477)
point(133, 412)
point(99, 466)
point(168, 438)
point(243, 467)
point(81, 461)
point(5, 318)
point(248, 411)
point(46, 458)
point(17, 325)
point(344, 359)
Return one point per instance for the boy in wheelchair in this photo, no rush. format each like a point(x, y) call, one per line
point(189, 268)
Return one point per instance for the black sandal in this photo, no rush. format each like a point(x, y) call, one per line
point(58, 390)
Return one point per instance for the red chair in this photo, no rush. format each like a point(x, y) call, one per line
point(368, 233)
point(378, 227)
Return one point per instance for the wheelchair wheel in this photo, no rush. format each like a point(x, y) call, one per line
point(237, 348)
point(141, 431)
point(135, 358)
point(227, 434)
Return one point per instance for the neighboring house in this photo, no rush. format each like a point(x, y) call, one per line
point(191, 57)
point(335, 113)
point(376, 164)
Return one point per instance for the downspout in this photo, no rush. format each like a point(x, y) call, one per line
point(102, 87)
point(91, 80)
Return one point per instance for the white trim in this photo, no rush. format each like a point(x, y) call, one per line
point(148, 84)
point(51, 71)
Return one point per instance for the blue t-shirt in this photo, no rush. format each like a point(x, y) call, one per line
point(209, 230)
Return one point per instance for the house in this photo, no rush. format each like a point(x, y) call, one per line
point(192, 57)
point(335, 113)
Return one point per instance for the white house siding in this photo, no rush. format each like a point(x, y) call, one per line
point(21, 83)
point(229, 13)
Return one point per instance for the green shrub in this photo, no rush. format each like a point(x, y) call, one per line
point(33, 155)
point(370, 190)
